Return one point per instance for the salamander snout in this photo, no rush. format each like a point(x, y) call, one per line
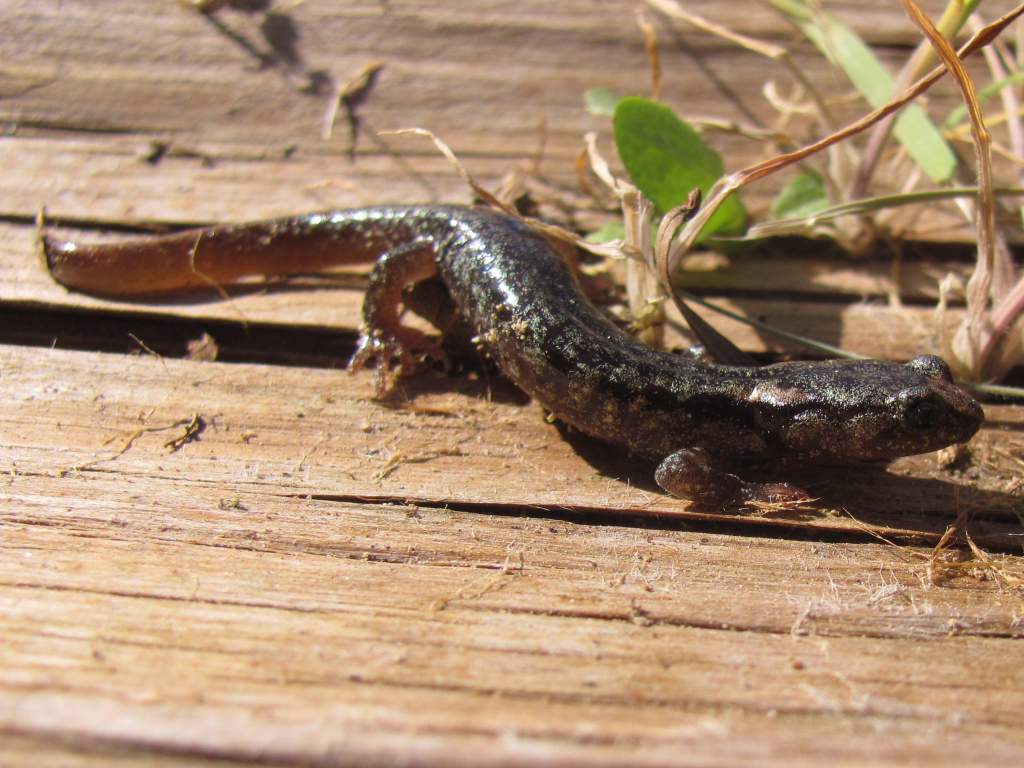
point(868, 410)
point(948, 413)
point(935, 410)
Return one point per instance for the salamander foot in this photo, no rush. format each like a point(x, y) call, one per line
point(689, 473)
point(407, 347)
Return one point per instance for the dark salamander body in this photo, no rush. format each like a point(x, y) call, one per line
point(700, 420)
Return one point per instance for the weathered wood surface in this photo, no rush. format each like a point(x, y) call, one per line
point(320, 579)
point(235, 599)
point(846, 307)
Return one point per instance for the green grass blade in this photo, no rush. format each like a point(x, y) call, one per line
point(844, 48)
point(803, 196)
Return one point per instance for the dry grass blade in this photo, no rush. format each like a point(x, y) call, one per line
point(349, 95)
point(945, 562)
point(729, 184)
point(642, 285)
point(552, 231)
point(953, 18)
point(478, 189)
point(651, 47)
point(674, 10)
point(979, 286)
point(997, 57)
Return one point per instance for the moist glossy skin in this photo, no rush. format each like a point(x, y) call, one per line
point(530, 315)
point(699, 420)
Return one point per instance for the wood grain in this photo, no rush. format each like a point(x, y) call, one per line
point(847, 305)
point(316, 578)
point(330, 439)
point(152, 600)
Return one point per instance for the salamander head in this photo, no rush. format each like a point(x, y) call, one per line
point(864, 410)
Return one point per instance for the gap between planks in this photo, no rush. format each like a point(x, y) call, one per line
point(304, 431)
point(327, 647)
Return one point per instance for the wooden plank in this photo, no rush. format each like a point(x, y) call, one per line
point(447, 579)
point(164, 616)
point(445, 446)
point(201, 75)
point(363, 686)
point(527, 560)
point(106, 179)
point(59, 751)
point(334, 303)
point(195, 85)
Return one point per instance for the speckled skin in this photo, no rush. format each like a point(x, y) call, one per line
point(699, 420)
point(530, 315)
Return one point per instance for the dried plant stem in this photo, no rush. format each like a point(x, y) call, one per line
point(980, 284)
point(952, 20)
point(729, 184)
point(651, 47)
point(1004, 315)
point(674, 10)
point(1011, 103)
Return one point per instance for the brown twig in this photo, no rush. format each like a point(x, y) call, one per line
point(351, 95)
point(651, 47)
point(729, 184)
point(777, 53)
point(980, 283)
point(952, 19)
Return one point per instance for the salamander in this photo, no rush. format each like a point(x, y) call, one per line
point(702, 422)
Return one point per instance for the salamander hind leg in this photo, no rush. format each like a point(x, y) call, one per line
point(690, 473)
point(382, 337)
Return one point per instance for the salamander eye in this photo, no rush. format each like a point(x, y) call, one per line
point(923, 414)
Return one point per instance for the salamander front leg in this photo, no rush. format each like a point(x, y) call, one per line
point(691, 474)
point(382, 335)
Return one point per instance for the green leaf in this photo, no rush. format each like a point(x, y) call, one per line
point(844, 48)
point(667, 160)
point(613, 230)
point(600, 101)
point(803, 196)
